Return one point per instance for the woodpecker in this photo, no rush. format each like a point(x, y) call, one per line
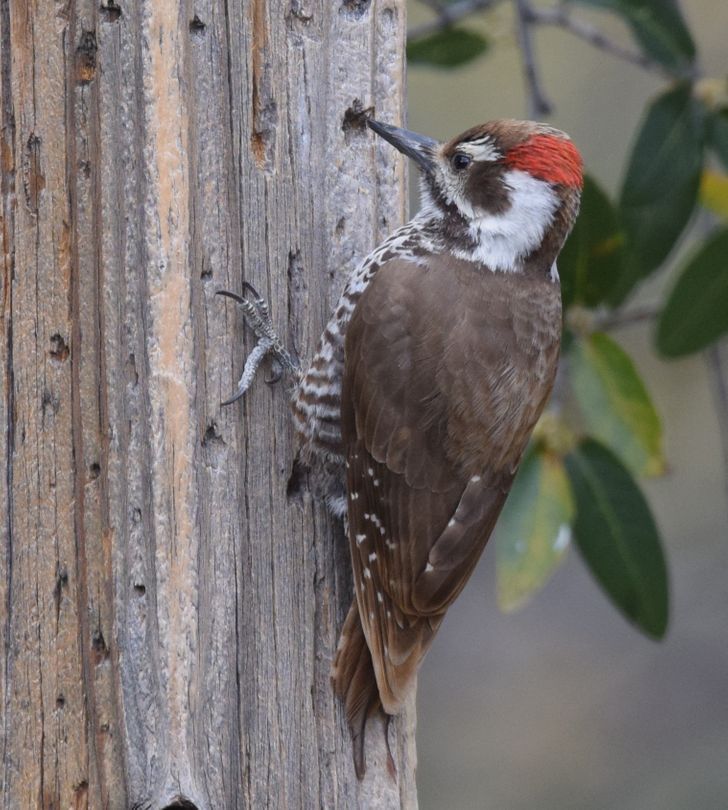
point(426, 385)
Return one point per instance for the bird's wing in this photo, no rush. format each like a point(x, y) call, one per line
point(437, 406)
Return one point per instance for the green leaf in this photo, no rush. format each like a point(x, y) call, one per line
point(718, 136)
point(617, 537)
point(592, 259)
point(658, 27)
point(661, 185)
point(615, 405)
point(534, 528)
point(696, 312)
point(449, 48)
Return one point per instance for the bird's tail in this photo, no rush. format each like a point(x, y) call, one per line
point(354, 681)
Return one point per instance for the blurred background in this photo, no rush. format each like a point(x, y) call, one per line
point(564, 704)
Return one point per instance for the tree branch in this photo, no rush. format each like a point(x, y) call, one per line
point(561, 17)
point(717, 360)
point(447, 15)
point(538, 104)
point(618, 318)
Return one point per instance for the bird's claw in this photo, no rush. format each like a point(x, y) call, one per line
point(257, 315)
point(260, 302)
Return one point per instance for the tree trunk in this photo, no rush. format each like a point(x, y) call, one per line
point(171, 597)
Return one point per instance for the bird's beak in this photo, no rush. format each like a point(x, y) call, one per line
point(418, 147)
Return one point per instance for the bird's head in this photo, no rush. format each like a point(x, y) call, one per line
point(506, 193)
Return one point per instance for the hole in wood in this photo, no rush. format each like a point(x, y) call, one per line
point(99, 649)
point(111, 11)
point(86, 58)
point(355, 8)
point(196, 25)
point(212, 436)
point(59, 348)
point(296, 482)
point(33, 178)
point(355, 119)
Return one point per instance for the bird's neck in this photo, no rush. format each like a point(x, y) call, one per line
point(528, 235)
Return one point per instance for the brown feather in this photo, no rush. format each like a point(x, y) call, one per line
point(354, 681)
point(447, 368)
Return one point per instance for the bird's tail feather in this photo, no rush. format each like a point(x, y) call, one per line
point(354, 681)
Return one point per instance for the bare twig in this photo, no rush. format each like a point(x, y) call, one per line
point(447, 15)
point(618, 318)
point(538, 104)
point(561, 17)
point(716, 357)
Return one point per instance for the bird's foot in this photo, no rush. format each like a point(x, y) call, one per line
point(257, 316)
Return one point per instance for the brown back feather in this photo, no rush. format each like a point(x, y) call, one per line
point(447, 368)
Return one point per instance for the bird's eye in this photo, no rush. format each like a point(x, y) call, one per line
point(461, 161)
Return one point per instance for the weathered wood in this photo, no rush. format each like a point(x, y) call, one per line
point(171, 598)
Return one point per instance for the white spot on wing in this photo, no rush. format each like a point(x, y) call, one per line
point(375, 520)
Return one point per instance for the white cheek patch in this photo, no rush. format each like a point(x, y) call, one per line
point(504, 239)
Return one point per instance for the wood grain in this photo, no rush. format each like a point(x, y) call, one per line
point(170, 600)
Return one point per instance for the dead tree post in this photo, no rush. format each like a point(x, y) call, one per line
point(170, 597)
